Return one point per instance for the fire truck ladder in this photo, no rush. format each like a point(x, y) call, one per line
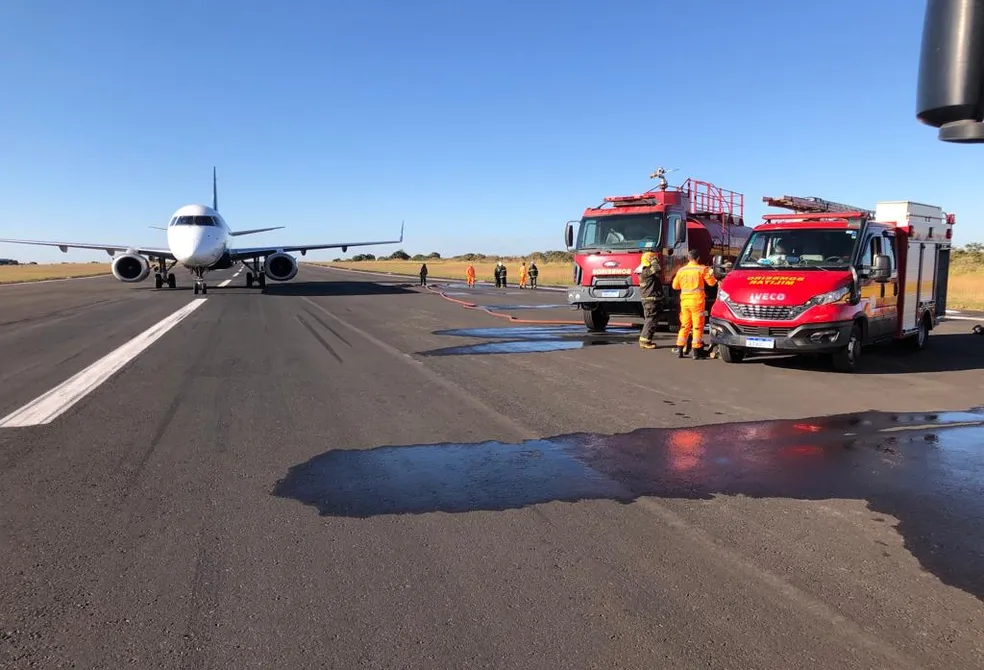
point(813, 205)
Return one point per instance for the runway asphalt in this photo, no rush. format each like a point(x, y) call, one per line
point(352, 471)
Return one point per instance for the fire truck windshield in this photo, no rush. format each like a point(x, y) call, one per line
point(632, 231)
point(806, 248)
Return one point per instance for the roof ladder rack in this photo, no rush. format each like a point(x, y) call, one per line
point(813, 205)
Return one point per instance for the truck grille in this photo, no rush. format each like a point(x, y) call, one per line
point(763, 331)
point(771, 312)
point(612, 283)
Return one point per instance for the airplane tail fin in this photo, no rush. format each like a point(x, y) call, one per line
point(215, 191)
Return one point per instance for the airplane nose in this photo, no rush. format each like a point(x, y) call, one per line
point(186, 244)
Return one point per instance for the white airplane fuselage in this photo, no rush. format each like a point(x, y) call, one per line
point(198, 236)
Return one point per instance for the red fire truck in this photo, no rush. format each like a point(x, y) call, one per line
point(832, 278)
point(666, 220)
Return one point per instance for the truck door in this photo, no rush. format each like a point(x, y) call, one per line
point(675, 250)
point(889, 293)
point(872, 292)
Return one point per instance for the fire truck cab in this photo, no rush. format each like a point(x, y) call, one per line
point(832, 278)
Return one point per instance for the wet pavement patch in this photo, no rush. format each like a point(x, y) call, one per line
point(925, 469)
point(531, 339)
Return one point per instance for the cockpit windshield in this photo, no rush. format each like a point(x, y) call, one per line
point(632, 231)
point(193, 221)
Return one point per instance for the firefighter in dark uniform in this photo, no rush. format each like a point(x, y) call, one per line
point(652, 294)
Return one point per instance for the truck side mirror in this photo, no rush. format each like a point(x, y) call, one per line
point(681, 231)
point(718, 267)
point(569, 235)
point(881, 269)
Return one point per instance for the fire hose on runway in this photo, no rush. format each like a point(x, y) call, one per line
point(513, 319)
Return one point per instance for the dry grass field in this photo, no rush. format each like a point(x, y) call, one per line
point(11, 274)
point(966, 287)
point(551, 274)
point(966, 290)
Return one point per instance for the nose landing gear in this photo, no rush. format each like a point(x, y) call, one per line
point(200, 286)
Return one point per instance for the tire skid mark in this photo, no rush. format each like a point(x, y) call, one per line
point(318, 337)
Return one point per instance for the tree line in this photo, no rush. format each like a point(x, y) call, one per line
point(970, 256)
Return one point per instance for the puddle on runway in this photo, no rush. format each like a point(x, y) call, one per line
point(516, 307)
point(925, 469)
point(530, 332)
point(531, 339)
point(518, 347)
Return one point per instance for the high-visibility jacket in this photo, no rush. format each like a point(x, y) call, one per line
point(690, 281)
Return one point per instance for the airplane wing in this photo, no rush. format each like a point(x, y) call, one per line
point(108, 248)
point(235, 233)
point(253, 252)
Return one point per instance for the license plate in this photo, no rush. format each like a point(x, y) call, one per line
point(760, 342)
point(610, 294)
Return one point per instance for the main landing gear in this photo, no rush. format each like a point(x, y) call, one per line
point(254, 274)
point(163, 275)
point(200, 286)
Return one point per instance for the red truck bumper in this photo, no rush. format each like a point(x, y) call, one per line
point(808, 338)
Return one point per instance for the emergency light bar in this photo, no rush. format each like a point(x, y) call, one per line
point(650, 199)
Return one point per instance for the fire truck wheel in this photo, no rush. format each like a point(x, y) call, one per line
point(596, 320)
point(921, 339)
point(846, 360)
point(730, 354)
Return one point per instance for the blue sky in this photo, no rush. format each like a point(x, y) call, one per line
point(484, 124)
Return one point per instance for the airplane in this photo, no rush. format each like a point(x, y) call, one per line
point(199, 238)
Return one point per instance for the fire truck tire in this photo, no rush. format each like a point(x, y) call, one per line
point(730, 354)
point(846, 360)
point(596, 320)
point(920, 340)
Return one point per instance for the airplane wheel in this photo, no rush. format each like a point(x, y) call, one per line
point(158, 281)
point(171, 281)
point(204, 289)
point(249, 280)
point(262, 281)
point(196, 289)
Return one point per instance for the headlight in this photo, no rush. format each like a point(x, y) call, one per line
point(723, 295)
point(837, 295)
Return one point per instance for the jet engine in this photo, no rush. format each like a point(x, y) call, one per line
point(280, 266)
point(130, 267)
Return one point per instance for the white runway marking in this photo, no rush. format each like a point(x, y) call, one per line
point(48, 407)
point(225, 283)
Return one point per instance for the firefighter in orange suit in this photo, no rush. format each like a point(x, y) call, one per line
point(470, 273)
point(652, 292)
point(690, 281)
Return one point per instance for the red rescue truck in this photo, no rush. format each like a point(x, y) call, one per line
point(669, 221)
point(832, 278)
